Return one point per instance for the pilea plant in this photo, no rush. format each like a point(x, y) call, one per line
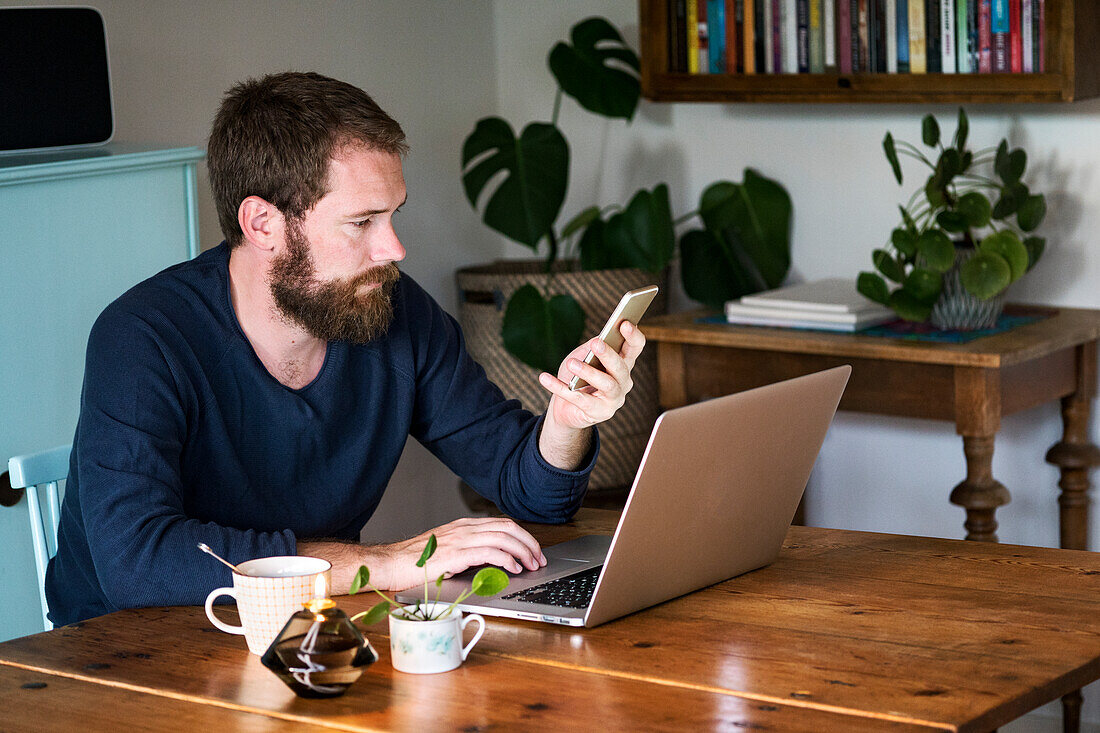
point(958, 207)
point(486, 582)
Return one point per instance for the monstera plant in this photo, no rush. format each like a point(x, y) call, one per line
point(519, 184)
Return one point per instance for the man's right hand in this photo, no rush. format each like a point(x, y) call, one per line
point(462, 544)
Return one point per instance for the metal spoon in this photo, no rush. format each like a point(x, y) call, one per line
point(205, 548)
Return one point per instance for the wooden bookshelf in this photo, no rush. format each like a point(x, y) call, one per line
point(1072, 66)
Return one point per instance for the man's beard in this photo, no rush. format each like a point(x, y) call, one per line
point(334, 310)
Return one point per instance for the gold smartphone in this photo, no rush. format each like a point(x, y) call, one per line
point(631, 308)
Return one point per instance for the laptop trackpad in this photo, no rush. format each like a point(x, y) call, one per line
point(589, 548)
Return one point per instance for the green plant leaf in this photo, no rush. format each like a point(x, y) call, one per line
point(952, 221)
point(362, 577)
point(975, 207)
point(707, 271)
point(936, 249)
point(887, 265)
point(961, 132)
point(930, 131)
point(985, 275)
point(489, 582)
point(535, 170)
point(541, 333)
point(1007, 245)
point(924, 285)
point(1012, 197)
point(429, 550)
point(904, 241)
point(753, 221)
point(968, 158)
point(1031, 212)
point(641, 235)
point(933, 191)
point(580, 221)
point(892, 155)
point(948, 166)
point(583, 72)
point(1035, 247)
point(908, 307)
point(1009, 166)
point(376, 614)
point(873, 287)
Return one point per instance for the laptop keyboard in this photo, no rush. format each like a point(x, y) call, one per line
point(572, 591)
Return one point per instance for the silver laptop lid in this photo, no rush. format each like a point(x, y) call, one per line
point(716, 491)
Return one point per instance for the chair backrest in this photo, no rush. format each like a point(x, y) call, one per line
point(40, 473)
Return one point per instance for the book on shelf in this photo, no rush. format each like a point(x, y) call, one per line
point(817, 38)
point(985, 36)
point(830, 304)
point(1025, 34)
point(932, 36)
point(716, 38)
point(828, 19)
point(691, 28)
point(677, 36)
point(948, 43)
point(999, 31)
point(902, 12)
point(769, 39)
point(735, 36)
point(890, 31)
point(918, 49)
point(748, 27)
point(789, 41)
point(844, 36)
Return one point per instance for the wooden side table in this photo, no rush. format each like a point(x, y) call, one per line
point(972, 384)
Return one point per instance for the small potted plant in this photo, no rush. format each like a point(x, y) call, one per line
point(426, 636)
point(964, 237)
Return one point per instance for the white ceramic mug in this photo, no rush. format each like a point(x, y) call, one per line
point(427, 647)
point(268, 590)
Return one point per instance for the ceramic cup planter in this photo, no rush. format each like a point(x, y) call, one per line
point(428, 647)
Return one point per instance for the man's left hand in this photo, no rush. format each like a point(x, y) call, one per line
point(572, 412)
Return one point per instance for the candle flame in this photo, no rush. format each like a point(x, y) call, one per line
point(320, 586)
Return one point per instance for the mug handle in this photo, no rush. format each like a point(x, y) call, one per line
point(214, 619)
point(481, 630)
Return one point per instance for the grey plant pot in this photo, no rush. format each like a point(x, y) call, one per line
point(957, 309)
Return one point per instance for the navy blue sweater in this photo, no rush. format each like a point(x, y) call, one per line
point(184, 437)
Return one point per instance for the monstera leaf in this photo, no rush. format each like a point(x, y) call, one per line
point(640, 235)
point(745, 246)
point(540, 332)
point(527, 200)
point(583, 72)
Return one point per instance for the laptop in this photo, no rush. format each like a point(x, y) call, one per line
point(714, 496)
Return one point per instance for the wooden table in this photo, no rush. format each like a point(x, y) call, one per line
point(972, 384)
point(846, 631)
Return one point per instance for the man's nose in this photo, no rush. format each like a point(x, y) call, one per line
point(389, 247)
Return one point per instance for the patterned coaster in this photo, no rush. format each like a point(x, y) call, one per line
point(915, 331)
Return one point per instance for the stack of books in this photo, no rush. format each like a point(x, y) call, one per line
point(856, 36)
point(830, 305)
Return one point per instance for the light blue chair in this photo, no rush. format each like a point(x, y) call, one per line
point(40, 473)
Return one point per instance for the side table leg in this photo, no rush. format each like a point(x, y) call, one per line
point(980, 494)
point(1074, 456)
point(1071, 712)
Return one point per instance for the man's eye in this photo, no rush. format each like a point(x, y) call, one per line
point(361, 224)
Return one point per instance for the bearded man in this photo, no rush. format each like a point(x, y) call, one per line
point(257, 398)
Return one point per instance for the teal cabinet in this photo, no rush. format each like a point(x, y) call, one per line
point(77, 229)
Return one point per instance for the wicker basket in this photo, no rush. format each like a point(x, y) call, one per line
point(483, 294)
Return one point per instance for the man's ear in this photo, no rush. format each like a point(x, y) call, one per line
point(261, 222)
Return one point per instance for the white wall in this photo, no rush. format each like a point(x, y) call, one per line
point(874, 473)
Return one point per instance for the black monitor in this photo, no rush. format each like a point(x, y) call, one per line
point(55, 86)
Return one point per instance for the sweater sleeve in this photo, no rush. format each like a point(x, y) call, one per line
point(129, 449)
point(488, 440)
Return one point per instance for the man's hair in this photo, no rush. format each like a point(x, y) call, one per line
point(273, 137)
